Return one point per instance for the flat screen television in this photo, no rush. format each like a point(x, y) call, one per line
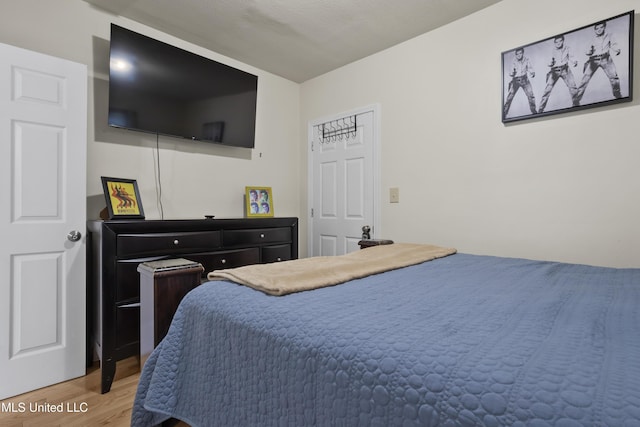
point(158, 88)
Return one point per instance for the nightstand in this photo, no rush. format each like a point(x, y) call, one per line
point(163, 284)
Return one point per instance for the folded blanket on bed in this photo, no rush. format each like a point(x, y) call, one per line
point(316, 272)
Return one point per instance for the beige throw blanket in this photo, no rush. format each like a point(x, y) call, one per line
point(304, 274)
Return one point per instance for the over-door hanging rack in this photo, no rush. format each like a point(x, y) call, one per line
point(336, 130)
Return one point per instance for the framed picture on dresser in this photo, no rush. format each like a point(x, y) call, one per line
point(259, 202)
point(123, 198)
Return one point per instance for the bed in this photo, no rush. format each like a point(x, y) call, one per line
point(460, 340)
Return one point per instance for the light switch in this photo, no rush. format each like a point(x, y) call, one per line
point(394, 195)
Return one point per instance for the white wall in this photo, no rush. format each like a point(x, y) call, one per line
point(197, 178)
point(565, 187)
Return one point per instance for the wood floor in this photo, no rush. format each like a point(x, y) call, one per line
point(81, 394)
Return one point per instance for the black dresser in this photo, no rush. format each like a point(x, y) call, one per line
point(115, 248)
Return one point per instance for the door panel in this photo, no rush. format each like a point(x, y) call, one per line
point(35, 293)
point(36, 178)
point(328, 190)
point(355, 188)
point(43, 104)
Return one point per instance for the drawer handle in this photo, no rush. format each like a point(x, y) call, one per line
point(279, 259)
point(262, 235)
point(224, 261)
point(176, 242)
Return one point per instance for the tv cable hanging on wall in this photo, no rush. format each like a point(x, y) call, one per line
point(158, 178)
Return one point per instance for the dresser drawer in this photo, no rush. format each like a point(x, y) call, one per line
point(256, 236)
point(276, 253)
point(167, 243)
point(226, 259)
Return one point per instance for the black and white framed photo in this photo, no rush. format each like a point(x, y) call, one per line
point(591, 66)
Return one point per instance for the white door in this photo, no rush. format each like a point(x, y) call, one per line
point(343, 182)
point(43, 116)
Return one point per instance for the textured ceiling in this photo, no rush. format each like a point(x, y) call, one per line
point(295, 39)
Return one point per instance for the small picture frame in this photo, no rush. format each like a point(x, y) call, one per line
point(123, 198)
point(259, 202)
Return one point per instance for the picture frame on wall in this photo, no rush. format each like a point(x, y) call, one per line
point(591, 66)
point(259, 202)
point(123, 198)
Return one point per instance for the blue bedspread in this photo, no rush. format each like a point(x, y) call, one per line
point(461, 341)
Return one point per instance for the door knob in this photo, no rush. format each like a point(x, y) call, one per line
point(74, 236)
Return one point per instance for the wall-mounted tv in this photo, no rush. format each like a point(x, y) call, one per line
point(158, 88)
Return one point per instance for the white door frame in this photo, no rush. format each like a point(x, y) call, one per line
point(375, 108)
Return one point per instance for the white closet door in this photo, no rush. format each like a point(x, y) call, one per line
point(343, 181)
point(43, 119)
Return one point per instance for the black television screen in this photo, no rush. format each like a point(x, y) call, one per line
point(158, 88)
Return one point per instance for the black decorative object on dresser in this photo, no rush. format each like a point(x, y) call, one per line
point(115, 248)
